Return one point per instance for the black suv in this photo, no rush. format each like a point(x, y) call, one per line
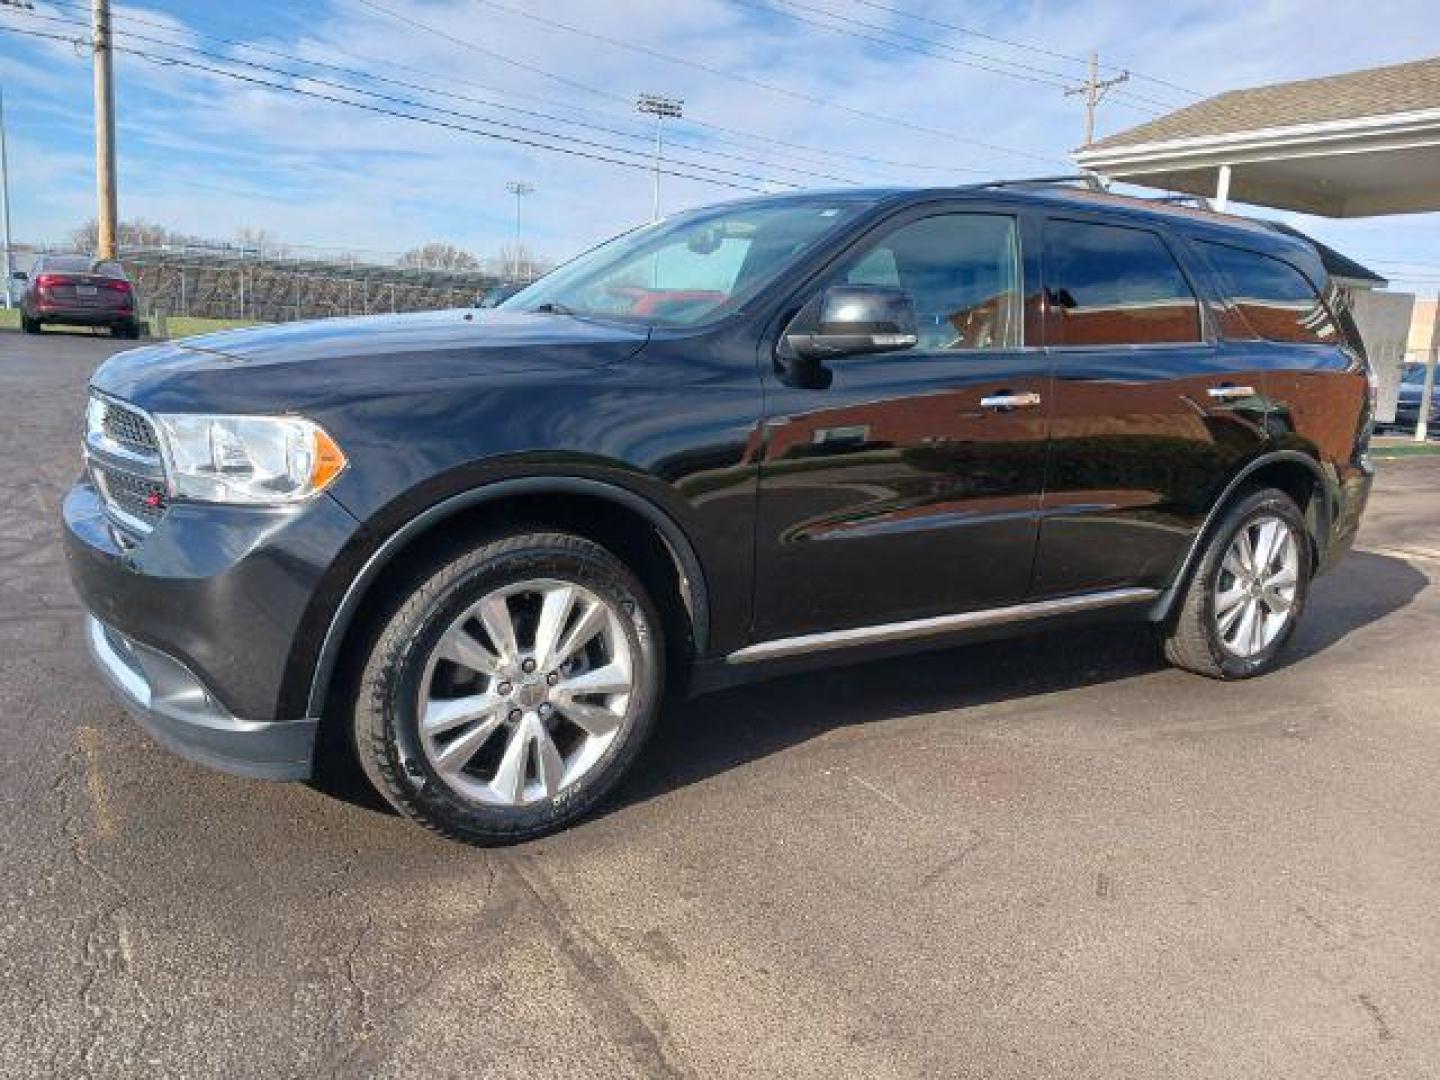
point(476, 547)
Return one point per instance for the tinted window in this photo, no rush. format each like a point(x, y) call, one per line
point(1275, 298)
point(962, 271)
point(1111, 285)
point(68, 264)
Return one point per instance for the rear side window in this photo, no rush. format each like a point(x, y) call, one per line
point(1276, 300)
point(1114, 285)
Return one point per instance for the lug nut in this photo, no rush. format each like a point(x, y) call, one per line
point(528, 666)
point(504, 689)
point(545, 709)
point(515, 716)
point(552, 678)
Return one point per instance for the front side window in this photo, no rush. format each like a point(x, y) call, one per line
point(682, 270)
point(1277, 301)
point(961, 270)
point(1114, 285)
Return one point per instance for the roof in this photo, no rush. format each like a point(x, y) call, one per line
point(1399, 88)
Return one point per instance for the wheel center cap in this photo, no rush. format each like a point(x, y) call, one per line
point(530, 693)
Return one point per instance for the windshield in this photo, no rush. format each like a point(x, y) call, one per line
point(80, 264)
point(684, 269)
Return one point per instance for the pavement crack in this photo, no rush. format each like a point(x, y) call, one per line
point(617, 1001)
point(1382, 1028)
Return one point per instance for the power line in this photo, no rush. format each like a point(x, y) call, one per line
point(370, 76)
point(455, 39)
point(972, 32)
point(394, 113)
point(799, 95)
point(926, 46)
point(410, 103)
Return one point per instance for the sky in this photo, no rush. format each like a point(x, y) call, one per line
point(772, 93)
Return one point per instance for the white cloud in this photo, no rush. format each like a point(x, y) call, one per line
point(207, 155)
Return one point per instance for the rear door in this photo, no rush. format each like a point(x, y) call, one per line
point(1150, 416)
point(909, 483)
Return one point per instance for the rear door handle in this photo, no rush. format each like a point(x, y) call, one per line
point(1230, 393)
point(1007, 402)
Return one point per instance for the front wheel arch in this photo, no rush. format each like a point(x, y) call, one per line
point(411, 538)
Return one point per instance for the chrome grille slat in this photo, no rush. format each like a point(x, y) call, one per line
point(123, 456)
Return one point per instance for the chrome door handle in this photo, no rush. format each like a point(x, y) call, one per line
point(1006, 402)
point(1230, 393)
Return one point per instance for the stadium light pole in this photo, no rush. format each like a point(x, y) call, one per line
point(5, 202)
point(519, 189)
point(662, 108)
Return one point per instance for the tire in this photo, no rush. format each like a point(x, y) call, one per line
point(130, 331)
point(29, 325)
point(405, 760)
point(1207, 635)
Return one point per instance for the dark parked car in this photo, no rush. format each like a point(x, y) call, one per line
point(1412, 390)
point(78, 290)
point(477, 549)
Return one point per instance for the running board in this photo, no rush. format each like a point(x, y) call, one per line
point(937, 624)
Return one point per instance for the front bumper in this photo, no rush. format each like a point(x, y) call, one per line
point(175, 707)
point(202, 626)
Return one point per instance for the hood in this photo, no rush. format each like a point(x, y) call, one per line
point(290, 365)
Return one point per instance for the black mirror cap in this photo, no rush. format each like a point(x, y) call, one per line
point(20, 275)
point(857, 319)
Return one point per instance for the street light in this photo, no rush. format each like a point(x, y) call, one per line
point(662, 108)
point(519, 189)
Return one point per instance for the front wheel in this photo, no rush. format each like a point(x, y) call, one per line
point(1247, 592)
point(511, 689)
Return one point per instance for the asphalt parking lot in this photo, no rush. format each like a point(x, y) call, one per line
point(1046, 858)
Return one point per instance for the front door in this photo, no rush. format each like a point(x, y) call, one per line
point(909, 484)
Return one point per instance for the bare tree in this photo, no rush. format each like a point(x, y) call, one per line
point(261, 241)
point(519, 264)
point(438, 255)
point(136, 233)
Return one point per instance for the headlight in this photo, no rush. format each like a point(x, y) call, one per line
point(247, 459)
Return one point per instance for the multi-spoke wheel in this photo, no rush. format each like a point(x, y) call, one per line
point(511, 689)
point(1247, 591)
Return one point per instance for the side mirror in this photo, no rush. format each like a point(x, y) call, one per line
point(853, 320)
point(20, 275)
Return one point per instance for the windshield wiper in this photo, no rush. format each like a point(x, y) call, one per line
point(551, 307)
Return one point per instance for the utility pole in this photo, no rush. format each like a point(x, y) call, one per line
point(104, 128)
point(1095, 88)
point(662, 108)
point(519, 189)
point(5, 202)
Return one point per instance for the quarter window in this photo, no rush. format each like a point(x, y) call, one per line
point(1277, 301)
point(1113, 285)
point(961, 270)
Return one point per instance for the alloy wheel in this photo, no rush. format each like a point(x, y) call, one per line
point(525, 691)
point(1256, 587)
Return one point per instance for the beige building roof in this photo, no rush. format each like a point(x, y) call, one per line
point(1400, 88)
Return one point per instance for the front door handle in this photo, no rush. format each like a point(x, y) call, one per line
point(1230, 393)
point(1009, 402)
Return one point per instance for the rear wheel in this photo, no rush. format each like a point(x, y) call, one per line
point(126, 330)
point(511, 689)
point(29, 325)
point(1248, 591)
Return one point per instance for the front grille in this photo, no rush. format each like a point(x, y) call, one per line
point(135, 496)
point(128, 428)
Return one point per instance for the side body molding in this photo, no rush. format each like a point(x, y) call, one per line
point(692, 576)
point(1163, 605)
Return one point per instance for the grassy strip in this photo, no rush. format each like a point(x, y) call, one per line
point(177, 326)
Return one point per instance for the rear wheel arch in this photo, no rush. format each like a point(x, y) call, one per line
point(1298, 475)
point(633, 527)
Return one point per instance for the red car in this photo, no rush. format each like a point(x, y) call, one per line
point(80, 291)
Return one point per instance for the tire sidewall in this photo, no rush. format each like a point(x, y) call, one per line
point(1261, 503)
point(408, 646)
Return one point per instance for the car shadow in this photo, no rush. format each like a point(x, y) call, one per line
point(710, 735)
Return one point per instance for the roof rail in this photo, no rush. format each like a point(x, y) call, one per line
point(1090, 180)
